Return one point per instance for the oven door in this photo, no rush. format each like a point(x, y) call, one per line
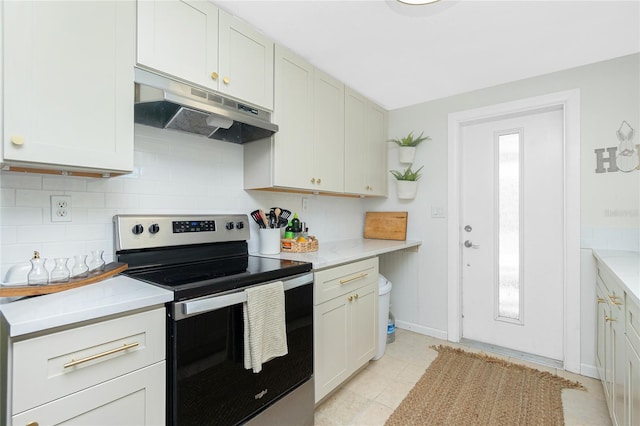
point(208, 383)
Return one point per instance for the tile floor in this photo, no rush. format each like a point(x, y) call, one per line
point(370, 397)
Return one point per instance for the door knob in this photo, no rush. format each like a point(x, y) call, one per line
point(469, 244)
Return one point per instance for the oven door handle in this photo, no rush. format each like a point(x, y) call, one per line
point(198, 306)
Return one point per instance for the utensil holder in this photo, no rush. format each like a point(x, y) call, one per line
point(269, 240)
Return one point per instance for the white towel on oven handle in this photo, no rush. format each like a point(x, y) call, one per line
point(265, 330)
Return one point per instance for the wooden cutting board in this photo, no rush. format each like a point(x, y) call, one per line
point(110, 270)
point(386, 225)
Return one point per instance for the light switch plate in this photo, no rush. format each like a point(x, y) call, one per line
point(437, 212)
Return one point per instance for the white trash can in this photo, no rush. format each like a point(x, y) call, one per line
point(384, 290)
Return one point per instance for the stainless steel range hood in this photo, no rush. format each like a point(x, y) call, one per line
point(169, 104)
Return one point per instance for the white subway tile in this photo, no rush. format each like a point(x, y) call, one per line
point(33, 198)
point(122, 201)
point(7, 197)
point(21, 180)
point(40, 233)
point(13, 216)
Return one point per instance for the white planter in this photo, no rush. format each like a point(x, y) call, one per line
point(407, 189)
point(406, 154)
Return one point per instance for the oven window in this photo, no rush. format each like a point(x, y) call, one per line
point(211, 385)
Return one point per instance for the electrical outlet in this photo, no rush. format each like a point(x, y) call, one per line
point(61, 208)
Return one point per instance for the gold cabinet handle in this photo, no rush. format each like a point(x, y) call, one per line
point(124, 347)
point(319, 181)
point(355, 296)
point(33, 424)
point(350, 298)
point(614, 299)
point(357, 277)
point(313, 180)
point(226, 80)
point(606, 318)
point(214, 75)
point(17, 140)
point(601, 300)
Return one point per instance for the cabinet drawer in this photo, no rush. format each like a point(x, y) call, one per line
point(136, 398)
point(58, 364)
point(613, 294)
point(633, 324)
point(340, 280)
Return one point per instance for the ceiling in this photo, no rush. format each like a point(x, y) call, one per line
point(400, 55)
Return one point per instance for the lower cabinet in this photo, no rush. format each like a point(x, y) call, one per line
point(617, 349)
point(345, 321)
point(133, 399)
point(111, 372)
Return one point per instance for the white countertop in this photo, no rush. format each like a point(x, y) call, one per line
point(625, 265)
point(109, 297)
point(334, 253)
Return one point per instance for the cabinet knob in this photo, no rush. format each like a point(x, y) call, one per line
point(17, 140)
point(214, 75)
point(32, 424)
point(226, 80)
point(355, 296)
point(318, 181)
point(350, 298)
point(313, 180)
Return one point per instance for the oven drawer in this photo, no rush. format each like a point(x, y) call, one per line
point(340, 280)
point(58, 364)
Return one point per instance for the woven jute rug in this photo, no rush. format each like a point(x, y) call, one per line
point(462, 388)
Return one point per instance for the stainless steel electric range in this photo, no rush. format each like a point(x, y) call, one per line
point(204, 260)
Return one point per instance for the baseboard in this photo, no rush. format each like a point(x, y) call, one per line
point(589, 371)
point(421, 329)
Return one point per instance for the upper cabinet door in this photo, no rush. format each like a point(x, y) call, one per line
point(293, 112)
point(365, 146)
point(180, 38)
point(376, 133)
point(328, 151)
point(246, 62)
point(68, 84)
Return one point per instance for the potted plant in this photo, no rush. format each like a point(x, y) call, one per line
point(408, 144)
point(407, 182)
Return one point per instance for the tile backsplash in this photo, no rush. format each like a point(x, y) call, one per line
point(174, 173)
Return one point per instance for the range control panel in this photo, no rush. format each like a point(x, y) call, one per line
point(194, 226)
point(148, 231)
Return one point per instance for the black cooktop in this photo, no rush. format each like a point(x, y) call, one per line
point(195, 279)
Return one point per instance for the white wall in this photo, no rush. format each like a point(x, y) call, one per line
point(610, 93)
point(174, 173)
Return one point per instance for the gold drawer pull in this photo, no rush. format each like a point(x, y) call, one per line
point(350, 298)
point(32, 424)
point(606, 318)
point(614, 300)
point(357, 277)
point(100, 355)
point(601, 300)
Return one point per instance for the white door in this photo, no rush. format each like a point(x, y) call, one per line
point(512, 233)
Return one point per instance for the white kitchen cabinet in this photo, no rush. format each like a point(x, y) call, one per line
point(345, 322)
point(112, 371)
point(617, 344)
point(199, 43)
point(293, 144)
point(68, 86)
point(632, 370)
point(365, 146)
point(328, 143)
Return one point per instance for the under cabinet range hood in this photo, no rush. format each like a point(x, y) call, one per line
point(168, 104)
